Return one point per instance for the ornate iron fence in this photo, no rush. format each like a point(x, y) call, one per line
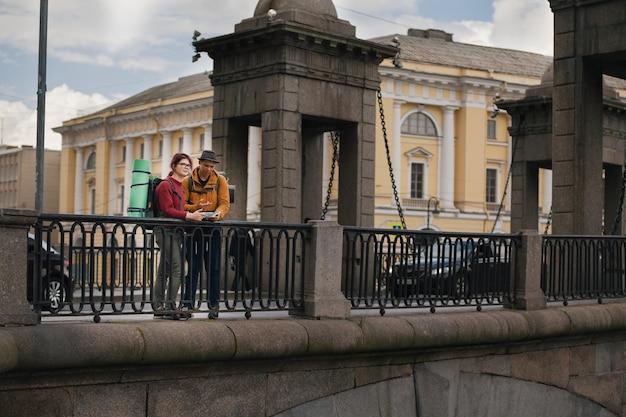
point(408, 269)
point(583, 267)
point(111, 265)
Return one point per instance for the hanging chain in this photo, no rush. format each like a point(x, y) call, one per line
point(508, 177)
point(548, 222)
point(393, 181)
point(620, 207)
point(335, 138)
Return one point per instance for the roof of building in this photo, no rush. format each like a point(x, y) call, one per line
point(437, 47)
point(183, 86)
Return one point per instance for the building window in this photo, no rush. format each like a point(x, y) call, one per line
point(141, 151)
point(180, 144)
point(160, 147)
point(91, 161)
point(124, 153)
point(491, 185)
point(201, 141)
point(491, 129)
point(419, 124)
point(417, 180)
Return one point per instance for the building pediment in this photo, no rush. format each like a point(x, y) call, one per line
point(418, 152)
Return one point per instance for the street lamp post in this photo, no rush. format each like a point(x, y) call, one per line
point(435, 210)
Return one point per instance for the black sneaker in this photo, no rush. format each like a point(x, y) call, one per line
point(213, 315)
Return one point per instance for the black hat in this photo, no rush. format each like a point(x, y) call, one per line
point(208, 156)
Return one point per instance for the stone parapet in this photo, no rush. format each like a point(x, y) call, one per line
point(569, 358)
point(150, 342)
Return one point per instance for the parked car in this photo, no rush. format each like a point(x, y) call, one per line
point(56, 284)
point(450, 268)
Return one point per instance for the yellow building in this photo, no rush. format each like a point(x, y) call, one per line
point(449, 147)
point(99, 149)
point(18, 178)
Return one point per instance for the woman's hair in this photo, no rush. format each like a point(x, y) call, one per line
point(179, 157)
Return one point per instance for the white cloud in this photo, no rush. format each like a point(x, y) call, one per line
point(19, 123)
point(17, 126)
point(148, 63)
point(142, 36)
point(523, 25)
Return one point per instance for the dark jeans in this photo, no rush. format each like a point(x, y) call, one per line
point(204, 248)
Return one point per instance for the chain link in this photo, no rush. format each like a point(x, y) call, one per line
point(335, 138)
point(548, 222)
point(508, 177)
point(393, 181)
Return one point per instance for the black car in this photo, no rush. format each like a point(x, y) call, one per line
point(56, 284)
point(451, 268)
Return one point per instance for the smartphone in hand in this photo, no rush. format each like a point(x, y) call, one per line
point(210, 215)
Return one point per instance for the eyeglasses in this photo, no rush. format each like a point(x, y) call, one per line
point(184, 165)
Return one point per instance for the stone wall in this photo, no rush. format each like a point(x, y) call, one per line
point(560, 361)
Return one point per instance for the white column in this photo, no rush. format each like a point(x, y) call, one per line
point(446, 172)
point(208, 137)
point(128, 170)
point(167, 154)
point(396, 149)
point(147, 148)
point(187, 140)
point(254, 170)
point(113, 193)
point(547, 190)
point(78, 182)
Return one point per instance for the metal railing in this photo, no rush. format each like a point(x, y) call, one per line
point(583, 267)
point(111, 263)
point(400, 268)
point(108, 265)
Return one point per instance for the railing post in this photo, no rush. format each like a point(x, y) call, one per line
point(14, 307)
point(528, 293)
point(322, 282)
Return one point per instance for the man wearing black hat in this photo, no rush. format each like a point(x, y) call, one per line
point(207, 190)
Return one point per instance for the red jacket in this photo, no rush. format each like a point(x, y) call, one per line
point(171, 203)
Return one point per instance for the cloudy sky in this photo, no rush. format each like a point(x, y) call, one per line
point(101, 51)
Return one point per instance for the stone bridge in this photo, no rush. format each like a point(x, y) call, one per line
point(560, 361)
point(530, 359)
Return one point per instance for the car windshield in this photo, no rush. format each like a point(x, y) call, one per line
point(446, 249)
point(44, 245)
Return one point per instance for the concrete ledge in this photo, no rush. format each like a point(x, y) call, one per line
point(52, 346)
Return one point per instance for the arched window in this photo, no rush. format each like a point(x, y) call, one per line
point(419, 124)
point(91, 161)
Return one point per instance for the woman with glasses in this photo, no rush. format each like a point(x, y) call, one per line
point(169, 195)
